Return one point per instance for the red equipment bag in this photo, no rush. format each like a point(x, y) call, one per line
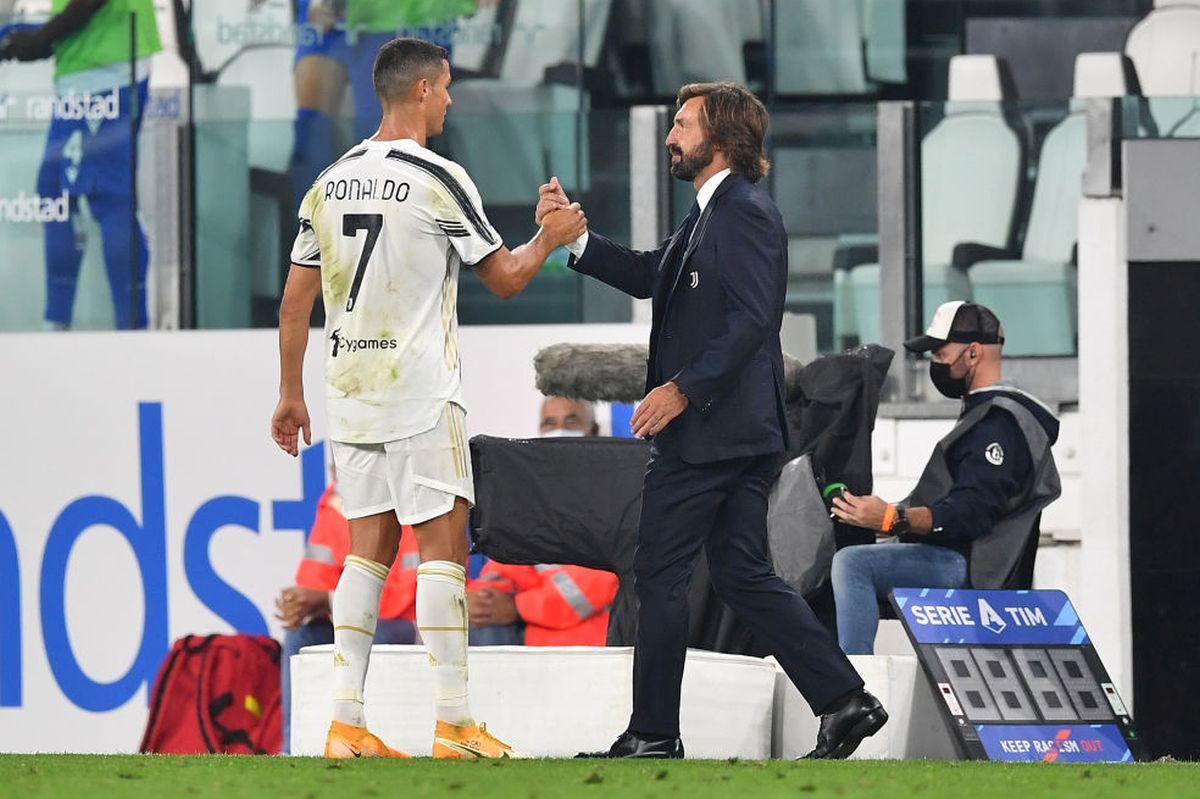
point(216, 693)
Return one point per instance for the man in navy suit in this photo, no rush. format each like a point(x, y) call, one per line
point(714, 408)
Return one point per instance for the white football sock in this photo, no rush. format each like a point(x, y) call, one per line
point(355, 613)
point(442, 620)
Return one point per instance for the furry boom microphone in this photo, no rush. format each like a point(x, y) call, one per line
point(593, 372)
point(609, 372)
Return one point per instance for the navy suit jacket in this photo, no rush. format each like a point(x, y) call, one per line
point(718, 304)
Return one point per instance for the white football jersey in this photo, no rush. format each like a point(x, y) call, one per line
point(388, 225)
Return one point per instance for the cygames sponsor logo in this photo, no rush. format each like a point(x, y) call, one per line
point(356, 344)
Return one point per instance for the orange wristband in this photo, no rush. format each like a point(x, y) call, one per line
point(889, 518)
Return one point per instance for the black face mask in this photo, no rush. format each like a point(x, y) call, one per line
point(952, 387)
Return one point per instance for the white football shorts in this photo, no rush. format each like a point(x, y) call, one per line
point(417, 477)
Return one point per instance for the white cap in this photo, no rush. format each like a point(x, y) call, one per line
point(964, 322)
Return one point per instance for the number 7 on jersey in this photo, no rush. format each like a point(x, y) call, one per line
point(351, 224)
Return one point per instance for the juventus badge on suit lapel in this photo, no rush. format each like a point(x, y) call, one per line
point(695, 279)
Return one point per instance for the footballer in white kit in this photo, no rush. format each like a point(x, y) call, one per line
point(389, 225)
point(383, 233)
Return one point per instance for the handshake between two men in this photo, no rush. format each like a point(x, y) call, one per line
point(561, 223)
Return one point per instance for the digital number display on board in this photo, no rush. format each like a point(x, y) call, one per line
point(1017, 674)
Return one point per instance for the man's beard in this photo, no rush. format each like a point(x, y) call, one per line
point(691, 164)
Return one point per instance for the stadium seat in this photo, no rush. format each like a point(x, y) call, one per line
point(1165, 49)
point(1039, 289)
point(972, 163)
point(700, 40)
point(534, 123)
point(885, 30)
point(839, 48)
point(819, 48)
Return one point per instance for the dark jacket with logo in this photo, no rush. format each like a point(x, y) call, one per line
point(989, 480)
point(718, 304)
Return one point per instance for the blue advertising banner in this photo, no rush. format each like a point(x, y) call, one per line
point(956, 616)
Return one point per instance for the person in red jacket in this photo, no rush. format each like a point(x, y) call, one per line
point(555, 605)
point(304, 607)
point(558, 605)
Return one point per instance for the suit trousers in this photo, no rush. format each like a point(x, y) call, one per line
point(721, 506)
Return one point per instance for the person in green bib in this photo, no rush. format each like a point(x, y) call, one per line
point(336, 45)
point(102, 51)
point(407, 16)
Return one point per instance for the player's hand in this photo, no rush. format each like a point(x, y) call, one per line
point(25, 45)
point(289, 419)
point(866, 512)
point(551, 197)
point(658, 410)
point(563, 226)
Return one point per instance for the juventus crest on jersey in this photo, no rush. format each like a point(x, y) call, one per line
point(388, 225)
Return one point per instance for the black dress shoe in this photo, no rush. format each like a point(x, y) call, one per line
point(844, 728)
point(629, 744)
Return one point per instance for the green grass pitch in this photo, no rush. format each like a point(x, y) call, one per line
point(79, 776)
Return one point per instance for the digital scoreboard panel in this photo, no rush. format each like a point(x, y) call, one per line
point(1018, 676)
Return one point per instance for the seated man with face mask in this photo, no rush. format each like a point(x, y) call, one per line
point(975, 511)
point(547, 604)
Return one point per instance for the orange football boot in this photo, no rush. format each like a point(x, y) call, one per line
point(471, 741)
point(347, 741)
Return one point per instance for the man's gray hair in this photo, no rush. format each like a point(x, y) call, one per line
point(402, 62)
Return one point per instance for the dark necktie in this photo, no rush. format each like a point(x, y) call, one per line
point(689, 223)
point(683, 239)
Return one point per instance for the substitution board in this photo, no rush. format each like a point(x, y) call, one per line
point(1018, 676)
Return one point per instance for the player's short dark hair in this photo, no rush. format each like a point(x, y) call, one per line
point(735, 122)
point(402, 62)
